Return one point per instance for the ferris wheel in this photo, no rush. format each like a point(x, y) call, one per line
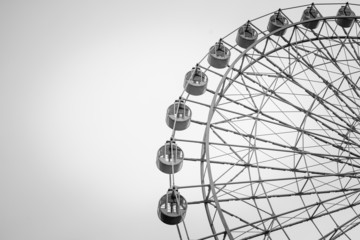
point(271, 119)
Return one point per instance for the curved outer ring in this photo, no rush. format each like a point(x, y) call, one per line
point(216, 99)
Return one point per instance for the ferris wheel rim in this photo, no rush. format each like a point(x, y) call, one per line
point(320, 156)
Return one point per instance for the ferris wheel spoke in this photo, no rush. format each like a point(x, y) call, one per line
point(284, 147)
point(314, 176)
point(251, 226)
point(321, 100)
point(329, 84)
point(333, 60)
point(237, 157)
point(275, 185)
point(249, 96)
point(269, 196)
point(340, 231)
point(308, 64)
point(269, 167)
point(276, 87)
point(307, 112)
point(261, 53)
point(347, 34)
point(345, 63)
point(280, 123)
point(334, 158)
point(250, 136)
point(230, 214)
point(299, 211)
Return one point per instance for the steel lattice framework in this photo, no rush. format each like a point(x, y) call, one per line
point(276, 135)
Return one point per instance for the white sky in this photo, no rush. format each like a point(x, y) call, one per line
point(84, 86)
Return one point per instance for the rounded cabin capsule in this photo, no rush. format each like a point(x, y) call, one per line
point(178, 115)
point(172, 207)
point(276, 22)
point(345, 11)
point(195, 82)
point(310, 13)
point(246, 36)
point(219, 56)
point(169, 158)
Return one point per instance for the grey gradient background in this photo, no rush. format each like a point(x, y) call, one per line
point(84, 86)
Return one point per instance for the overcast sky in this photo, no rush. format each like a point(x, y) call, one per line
point(84, 86)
